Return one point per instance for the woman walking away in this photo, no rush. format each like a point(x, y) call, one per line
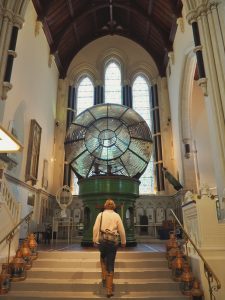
point(107, 227)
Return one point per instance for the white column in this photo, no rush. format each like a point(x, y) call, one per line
point(60, 131)
point(208, 16)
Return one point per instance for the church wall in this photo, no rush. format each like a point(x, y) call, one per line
point(131, 55)
point(33, 96)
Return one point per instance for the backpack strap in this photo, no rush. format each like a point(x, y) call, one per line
point(100, 227)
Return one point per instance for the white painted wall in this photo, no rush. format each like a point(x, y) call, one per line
point(33, 96)
point(133, 55)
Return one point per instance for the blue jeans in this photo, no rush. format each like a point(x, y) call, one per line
point(108, 254)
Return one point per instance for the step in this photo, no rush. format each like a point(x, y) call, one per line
point(39, 284)
point(94, 263)
point(94, 254)
point(37, 295)
point(77, 275)
point(91, 273)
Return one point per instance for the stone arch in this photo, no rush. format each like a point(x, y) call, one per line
point(141, 73)
point(76, 74)
point(149, 72)
point(188, 172)
point(112, 54)
point(186, 94)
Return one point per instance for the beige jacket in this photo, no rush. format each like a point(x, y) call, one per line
point(112, 221)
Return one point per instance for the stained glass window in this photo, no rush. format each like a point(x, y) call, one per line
point(113, 83)
point(141, 103)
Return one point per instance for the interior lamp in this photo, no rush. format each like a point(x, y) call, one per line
point(8, 143)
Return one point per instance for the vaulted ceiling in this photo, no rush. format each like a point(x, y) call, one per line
point(69, 25)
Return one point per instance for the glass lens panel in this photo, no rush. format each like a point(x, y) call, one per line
point(107, 145)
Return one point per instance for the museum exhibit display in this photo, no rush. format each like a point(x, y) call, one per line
point(108, 147)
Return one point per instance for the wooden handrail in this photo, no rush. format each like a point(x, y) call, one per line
point(208, 269)
point(12, 232)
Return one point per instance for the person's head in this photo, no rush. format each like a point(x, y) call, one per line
point(109, 204)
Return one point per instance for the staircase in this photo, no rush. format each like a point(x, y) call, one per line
point(76, 275)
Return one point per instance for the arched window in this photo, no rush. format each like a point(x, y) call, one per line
point(85, 94)
point(113, 83)
point(141, 104)
point(85, 99)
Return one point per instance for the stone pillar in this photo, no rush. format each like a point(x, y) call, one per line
point(60, 132)
point(99, 93)
point(11, 54)
point(11, 22)
point(165, 136)
point(127, 95)
point(209, 16)
point(156, 133)
point(71, 112)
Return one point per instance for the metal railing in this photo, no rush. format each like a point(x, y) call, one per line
point(8, 238)
point(210, 275)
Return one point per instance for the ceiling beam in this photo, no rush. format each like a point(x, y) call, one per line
point(150, 6)
point(176, 7)
point(73, 20)
point(141, 12)
point(148, 28)
point(130, 8)
point(70, 6)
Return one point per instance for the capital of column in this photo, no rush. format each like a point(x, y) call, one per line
point(202, 9)
point(7, 86)
point(197, 48)
point(7, 14)
point(98, 82)
point(154, 81)
point(38, 26)
point(50, 60)
point(12, 53)
point(202, 82)
point(171, 56)
point(126, 82)
point(191, 16)
point(186, 140)
point(69, 81)
point(180, 23)
point(18, 21)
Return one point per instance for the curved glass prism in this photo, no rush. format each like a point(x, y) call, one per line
point(108, 139)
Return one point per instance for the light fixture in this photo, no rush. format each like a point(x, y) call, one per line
point(8, 143)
